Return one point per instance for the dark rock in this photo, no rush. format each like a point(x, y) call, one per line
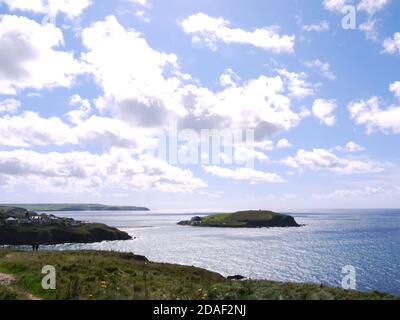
point(236, 277)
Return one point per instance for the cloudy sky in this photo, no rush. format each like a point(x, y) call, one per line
point(88, 87)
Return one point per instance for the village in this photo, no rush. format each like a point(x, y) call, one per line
point(24, 217)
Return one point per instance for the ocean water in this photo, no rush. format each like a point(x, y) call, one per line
point(369, 240)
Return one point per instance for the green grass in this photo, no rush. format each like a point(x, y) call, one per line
point(92, 275)
point(243, 219)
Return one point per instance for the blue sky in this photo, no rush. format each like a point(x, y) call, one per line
point(85, 93)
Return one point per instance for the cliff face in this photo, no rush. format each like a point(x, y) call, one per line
point(89, 233)
point(244, 219)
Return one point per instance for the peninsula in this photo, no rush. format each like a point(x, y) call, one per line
point(19, 226)
point(243, 219)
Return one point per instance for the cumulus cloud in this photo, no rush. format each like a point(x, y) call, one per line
point(372, 6)
point(395, 88)
point(76, 171)
point(144, 3)
point(392, 45)
point(283, 144)
point(353, 147)
point(71, 8)
point(323, 67)
point(370, 29)
point(375, 116)
point(84, 109)
point(133, 80)
point(336, 5)
point(145, 88)
point(321, 159)
point(30, 129)
point(369, 6)
point(212, 30)
point(323, 110)
point(297, 83)
point(29, 58)
point(316, 27)
point(9, 105)
point(243, 174)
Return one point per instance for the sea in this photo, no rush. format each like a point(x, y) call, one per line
point(330, 243)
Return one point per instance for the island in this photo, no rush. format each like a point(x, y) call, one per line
point(243, 219)
point(51, 207)
point(19, 226)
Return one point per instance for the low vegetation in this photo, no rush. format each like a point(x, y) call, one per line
point(22, 227)
point(93, 275)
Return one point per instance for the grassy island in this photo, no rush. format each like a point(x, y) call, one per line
point(93, 275)
point(243, 219)
point(19, 226)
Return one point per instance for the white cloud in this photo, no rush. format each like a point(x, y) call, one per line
point(339, 194)
point(395, 88)
point(144, 3)
point(72, 8)
point(131, 74)
point(243, 174)
point(317, 27)
point(75, 172)
point(370, 29)
point(297, 84)
point(350, 147)
point(214, 30)
point(142, 15)
point(323, 110)
point(283, 144)
point(354, 147)
point(29, 59)
point(372, 6)
point(371, 114)
point(392, 45)
point(145, 88)
point(321, 159)
point(83, 111)
point(336, 5)
point(229, 78)
point(29, 129)
point(323, 67)
point(9, 105)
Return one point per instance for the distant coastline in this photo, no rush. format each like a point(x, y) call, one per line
point(52, 207)
point(18, 226)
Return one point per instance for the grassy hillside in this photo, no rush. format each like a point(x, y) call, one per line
point(244, 219)
point(54, 234)
point(75, 207)
point(106, 275)
point(28, 228)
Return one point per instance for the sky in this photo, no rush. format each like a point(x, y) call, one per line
point(91, 91)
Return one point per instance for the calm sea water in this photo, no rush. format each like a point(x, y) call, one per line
point(369, 240)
